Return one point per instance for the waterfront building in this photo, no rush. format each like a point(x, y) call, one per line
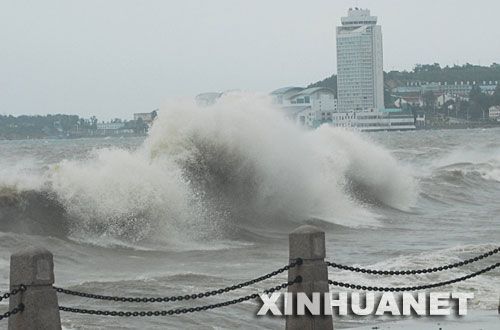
point(111, 128)
point(412, 100)
point(377, 120)
point(445, 97)
point(146, 117)
point(494, 112)
point(308, 107)
point(360, 80)
point(457, 89)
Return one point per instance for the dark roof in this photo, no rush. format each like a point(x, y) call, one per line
point(284, 90)
point(312, 90)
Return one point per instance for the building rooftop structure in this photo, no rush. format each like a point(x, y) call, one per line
point(312, 90)
point(281, 95)
point(285, 90)
point(358, 17)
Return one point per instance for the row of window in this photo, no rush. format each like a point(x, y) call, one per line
point(300, 100)
point(360, 22)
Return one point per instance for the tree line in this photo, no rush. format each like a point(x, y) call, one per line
point(436, 73)
point(59, 125)
point(429, 73)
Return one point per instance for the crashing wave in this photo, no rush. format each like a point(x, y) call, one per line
point(236, 167)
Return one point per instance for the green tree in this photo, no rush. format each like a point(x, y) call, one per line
point(140, 126)
point(429, 99)
point(93, 122)
point(479, 103)
point(496, 96)
point(388, 99)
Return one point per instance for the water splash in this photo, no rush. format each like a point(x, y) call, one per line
point(224, 171)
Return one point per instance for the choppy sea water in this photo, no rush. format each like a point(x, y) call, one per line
point(207, 201)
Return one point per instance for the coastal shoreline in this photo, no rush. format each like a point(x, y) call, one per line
point(427, 128)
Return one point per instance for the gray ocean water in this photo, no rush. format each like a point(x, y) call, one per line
point(123, 217)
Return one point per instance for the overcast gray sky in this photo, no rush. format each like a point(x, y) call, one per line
point(115, 57)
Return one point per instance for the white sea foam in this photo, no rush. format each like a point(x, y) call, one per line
point(206, 171)
point(483, 161)
point(484, 287)
point(21, 174)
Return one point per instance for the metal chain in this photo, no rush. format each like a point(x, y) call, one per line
point(17, 309)
point(414, 271)
point(178, 311)
point(15, 291)
point(412, 288)
point(184, 297)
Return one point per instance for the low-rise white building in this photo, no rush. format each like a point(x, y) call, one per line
point(494, 112)
point(443, 98)
point(375, 120)
point(456, 88)
point(110, 126)
point(420, 119)
point(146, 117)
point(306, 106)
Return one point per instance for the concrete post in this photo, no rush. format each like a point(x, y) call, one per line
point(34, 267)
point(308, 242)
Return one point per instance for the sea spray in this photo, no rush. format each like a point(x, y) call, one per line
point(117, 193)
point(370, 170)
point(216, 172)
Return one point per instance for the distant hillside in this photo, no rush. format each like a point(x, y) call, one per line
point(330, 82)
point(434, 72)
point(428, 73)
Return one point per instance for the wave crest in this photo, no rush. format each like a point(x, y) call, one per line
point(228, 170)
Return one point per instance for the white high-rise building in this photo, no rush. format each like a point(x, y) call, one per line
point(360, 76)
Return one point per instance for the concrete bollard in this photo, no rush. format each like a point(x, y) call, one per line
point(34, 267)
point(308, 242)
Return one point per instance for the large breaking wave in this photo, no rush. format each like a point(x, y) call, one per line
point(236, 168)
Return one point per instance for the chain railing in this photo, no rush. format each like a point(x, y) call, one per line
point(413, 288)
point(178, 311)
point(413, 271)
point(15, 310)
point(181, 297)
point(14, 291)
point(18, 308)
point(306, 249)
